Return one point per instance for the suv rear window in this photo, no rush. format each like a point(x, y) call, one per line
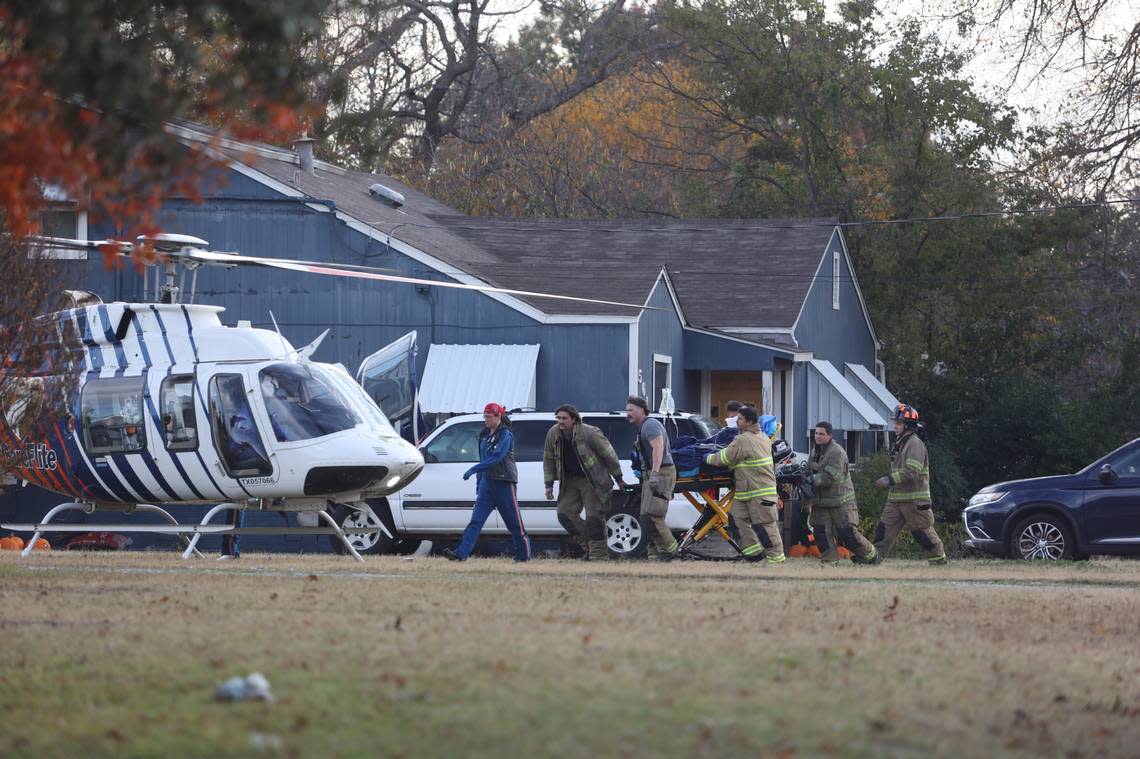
point(530, 438)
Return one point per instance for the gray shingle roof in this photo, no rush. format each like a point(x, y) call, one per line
point(726, 272)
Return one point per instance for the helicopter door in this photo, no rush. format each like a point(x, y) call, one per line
point(235, 432)
point(389, 378)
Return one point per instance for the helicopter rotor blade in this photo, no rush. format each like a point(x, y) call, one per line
point(364, 272)
point(124, 247)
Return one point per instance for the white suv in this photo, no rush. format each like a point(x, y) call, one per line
point(438, 504)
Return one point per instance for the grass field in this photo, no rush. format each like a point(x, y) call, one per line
point(118, 654)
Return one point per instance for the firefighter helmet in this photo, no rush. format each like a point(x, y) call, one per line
point(906, 414)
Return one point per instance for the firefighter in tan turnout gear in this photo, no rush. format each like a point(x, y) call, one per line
point(582, 460)
point(908, 502)
point(749, 456)
point(834, 513)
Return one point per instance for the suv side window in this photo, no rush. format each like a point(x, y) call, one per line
point(530, 438)
point(458, 444)
point(1127, 464)
point(617, 430)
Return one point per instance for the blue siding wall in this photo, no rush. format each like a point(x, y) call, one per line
point(584, 364)
point(662, 332)
point(837, 336)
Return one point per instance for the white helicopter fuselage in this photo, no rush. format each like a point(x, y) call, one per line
point(162, 403)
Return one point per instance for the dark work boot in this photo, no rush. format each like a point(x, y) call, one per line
point(452, 555)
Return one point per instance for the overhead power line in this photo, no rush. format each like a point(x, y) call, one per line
point(594, 226)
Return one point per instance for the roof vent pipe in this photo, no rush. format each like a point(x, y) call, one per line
point(304, 148)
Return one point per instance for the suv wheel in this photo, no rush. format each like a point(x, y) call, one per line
point(1042, 536)
point(625, 537)
point(367, 542)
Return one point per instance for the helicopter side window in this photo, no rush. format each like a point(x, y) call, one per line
point(235, 432)
point(176, 403)
point(112, 415)
point(302, 403)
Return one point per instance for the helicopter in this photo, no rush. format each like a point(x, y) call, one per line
point(141, 406)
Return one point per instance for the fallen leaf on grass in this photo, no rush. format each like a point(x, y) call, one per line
point(889, 614)
point(313, 578)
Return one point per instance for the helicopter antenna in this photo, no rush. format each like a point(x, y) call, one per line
point(284, 342)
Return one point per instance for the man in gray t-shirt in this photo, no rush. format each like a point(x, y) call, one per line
point(658, 477)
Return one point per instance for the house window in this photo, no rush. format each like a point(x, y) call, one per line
point(835, 280)
point(113, 415)
point(62, 219)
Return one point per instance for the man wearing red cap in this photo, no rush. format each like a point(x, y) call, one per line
point(495, 479)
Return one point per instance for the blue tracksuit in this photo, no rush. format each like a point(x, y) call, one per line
point(494, 450)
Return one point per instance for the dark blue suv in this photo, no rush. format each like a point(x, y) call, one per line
point(1095, 511)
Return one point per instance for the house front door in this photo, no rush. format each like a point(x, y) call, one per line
point(746, 387)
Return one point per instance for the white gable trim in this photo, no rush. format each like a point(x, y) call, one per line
point(424, 258)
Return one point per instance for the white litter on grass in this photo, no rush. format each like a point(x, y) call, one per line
point(266, 742)
point(252, 688)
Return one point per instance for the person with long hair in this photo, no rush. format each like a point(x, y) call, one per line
point(496, 477)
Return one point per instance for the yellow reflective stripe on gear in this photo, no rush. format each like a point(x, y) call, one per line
point(746, 495)
point(915, 464)
point(724, 456)
point(917, 495)
point(755, 463)
point(752, 550)
point(777, 559)
point(590, 461)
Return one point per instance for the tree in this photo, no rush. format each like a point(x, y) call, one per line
point(408, 75)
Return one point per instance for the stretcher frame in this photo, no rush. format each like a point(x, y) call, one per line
point(703, 492)
point(713, 510)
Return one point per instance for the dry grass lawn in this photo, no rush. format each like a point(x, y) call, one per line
point(118, 655)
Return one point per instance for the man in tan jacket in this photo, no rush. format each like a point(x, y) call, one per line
point(834, 513)
point(582, 460)
point(908, 502)
point(749, 456)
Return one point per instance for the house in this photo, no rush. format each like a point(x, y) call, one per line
point(765, 311)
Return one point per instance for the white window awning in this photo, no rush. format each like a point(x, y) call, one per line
point(462, 379)
point(832, 398)
point(873, 391)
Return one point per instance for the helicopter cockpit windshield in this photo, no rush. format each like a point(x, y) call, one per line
point(303, 402)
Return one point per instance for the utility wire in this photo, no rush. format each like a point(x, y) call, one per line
point(593, 226)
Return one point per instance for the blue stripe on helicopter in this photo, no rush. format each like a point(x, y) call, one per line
point(88, 339)
point(190, 333)
point(120, 460)
point(151, 461)
point(201, 396)
point(109, 333)
point(114, 489)
point(111, 488)
point(172, 455)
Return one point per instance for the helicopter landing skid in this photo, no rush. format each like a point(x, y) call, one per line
point(188, 533)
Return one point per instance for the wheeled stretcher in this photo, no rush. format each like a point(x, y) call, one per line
point(711, 492)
